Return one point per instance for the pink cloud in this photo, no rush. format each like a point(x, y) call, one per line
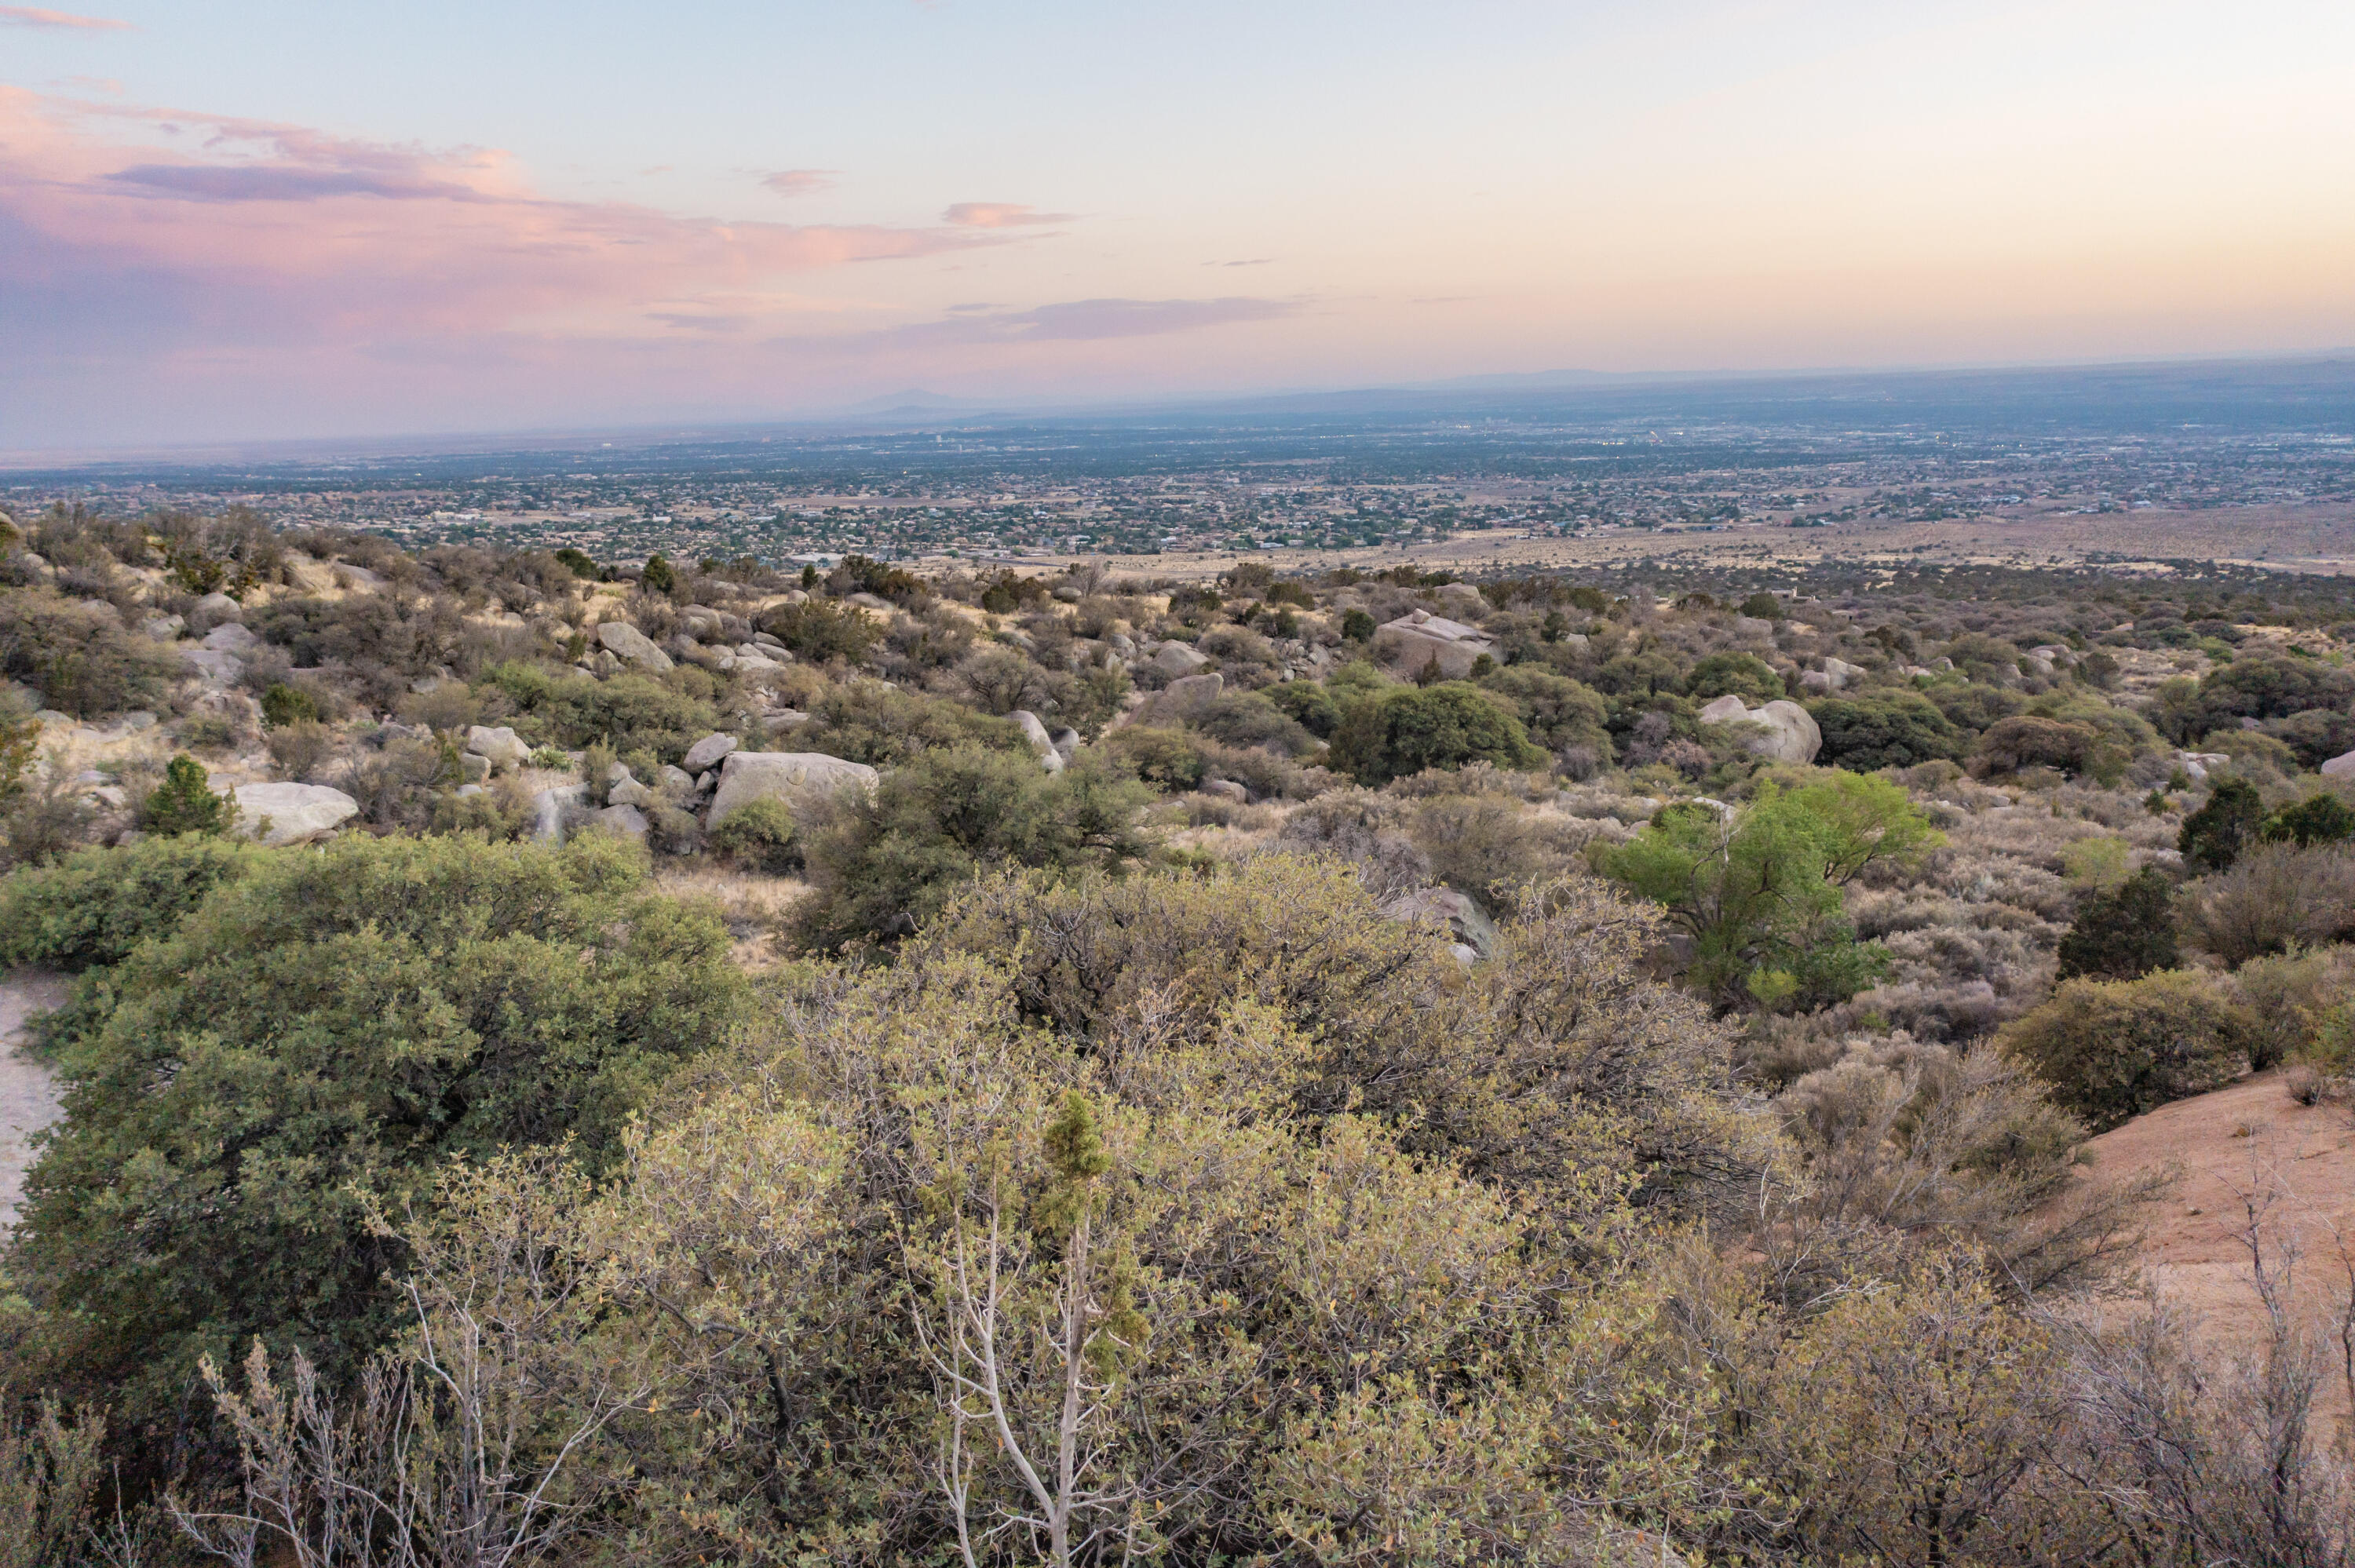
point(62, 21)
point(800, 182)
point(1000, 215)
point(332, 239)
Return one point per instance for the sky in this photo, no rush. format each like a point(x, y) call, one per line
point(273, 219)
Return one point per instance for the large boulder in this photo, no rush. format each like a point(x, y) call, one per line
point(2341, 766)
point(1192, 694)
point(1034, 732)
point(548, 808)
point(292, 813)
point(706, 754)
point(219, 607)
point(1410, 643)
point(631, 646)
point(1473, 933)
point(229, 637)
point(1790, 732)
point(627, 820)
point(501, 747)
point(1179, 659)
point(214, 668)
point(800, 779)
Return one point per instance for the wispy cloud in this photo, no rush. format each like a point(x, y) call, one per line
point(1001, 214)
point(1084, 319)
point(799, 182)
point(1255, 261)
point(59, 21)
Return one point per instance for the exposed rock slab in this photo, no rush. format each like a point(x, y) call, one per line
point(800, 779)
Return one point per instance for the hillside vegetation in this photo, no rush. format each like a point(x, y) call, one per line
point(674, 1063)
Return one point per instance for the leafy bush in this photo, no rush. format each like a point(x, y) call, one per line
point(1306, 703)
point(1556, 710)
point(822, 630)
point(2110, 1049)
point(1357, 625)
point(1164, 757)
point(628, 711)
point(96, 904)
point(2026, 741)
point(2123, 934)
point(2296, 1002)
point(1248, 718)
point(2265, 688)
point(1447, 724)
point(884, 865)
point(881, 726)
point(308, 1047)
point(2226, 824)
point(1885, 729)
point(1729, 674)
point(79, 655)
point(2322, 818)
point(284, 705)
point(2271, 898)
point(758, 834)
point(185, 802)
point(1759, 894)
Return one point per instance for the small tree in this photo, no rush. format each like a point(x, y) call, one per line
point(2124, 934)
point(184, 803)
point(1758, 890)
point(2214, 835)
point(2317, 820)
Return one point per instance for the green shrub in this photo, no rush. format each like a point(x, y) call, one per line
point(2226, 824)
point(2122, 933)
point(577, 564)
point(1556, 710)
point(2296, 1002)
point(1885, 729)
point(886, 865)
point(313, 1043)
point(1762, 606)
point(1250, 718)
point(1357, 625)
point(79, 655)
point(96, 904)
point(2318, 819)
point(1445, 725)
point(758, 834)
point(184, 803)
point(1760, 895)
point(876, 722)
point(2025, 740)
point(1307, 703)
point(1164, 757)
point(627, 712)
point(658, 575)
point(821, 631)
point(2110, 1050)
point(284, 705)
point(1729, 674)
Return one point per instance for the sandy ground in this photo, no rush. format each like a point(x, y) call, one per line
point(2248, 1146)
point(29, 1092)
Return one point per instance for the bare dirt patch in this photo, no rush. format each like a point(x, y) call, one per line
point(29, 1090)
point(2249, 1145)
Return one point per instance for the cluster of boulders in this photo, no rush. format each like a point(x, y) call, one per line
point(721, 641)
point(718, 779)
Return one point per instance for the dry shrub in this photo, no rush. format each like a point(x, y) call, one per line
point(1372, 831)
point(2272, 897)
point(2290, 998)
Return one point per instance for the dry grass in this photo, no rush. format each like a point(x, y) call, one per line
point(756, 906)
